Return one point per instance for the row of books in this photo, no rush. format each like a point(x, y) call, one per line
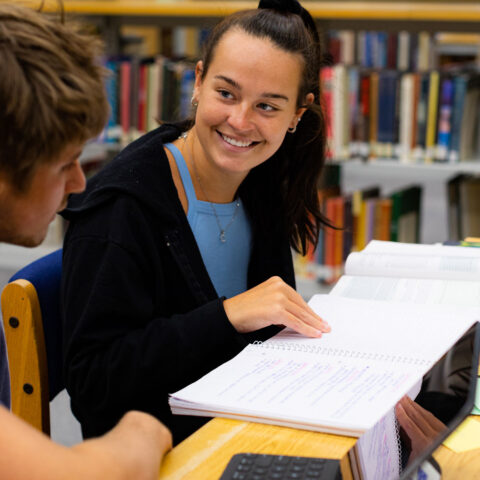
point(402, 50)
point(411, 116)
point(142, 92)
point(359, 217)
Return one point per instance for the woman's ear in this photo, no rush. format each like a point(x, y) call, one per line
point(308, 101)
point(198, 80)
point(300, 111)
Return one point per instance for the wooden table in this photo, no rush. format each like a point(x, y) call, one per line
point(464, 466)
point(204, 455)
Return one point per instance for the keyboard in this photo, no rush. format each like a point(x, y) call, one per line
point(252, 466)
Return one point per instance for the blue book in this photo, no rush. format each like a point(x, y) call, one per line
point(459, 91)
point(444, 119)
point(369, 49)
point(381, 50)
point(387, 116)
point(186, 89)
point(111, 87)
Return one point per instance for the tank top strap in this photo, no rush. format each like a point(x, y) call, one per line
point(184, 173)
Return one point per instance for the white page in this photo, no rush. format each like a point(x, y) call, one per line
point(440, 266)
point(306, 389)
point(357, 325)
point(378, 449)
point(413, 290)
point(399, 248)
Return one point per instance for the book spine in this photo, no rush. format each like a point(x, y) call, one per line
point(444, 120)
point(432, 117)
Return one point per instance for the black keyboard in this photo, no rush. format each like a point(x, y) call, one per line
point(252, 466)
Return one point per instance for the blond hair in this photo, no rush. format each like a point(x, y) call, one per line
point(51, 89)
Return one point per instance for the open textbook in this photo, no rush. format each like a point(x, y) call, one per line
point(403, 272)
point(343, 382)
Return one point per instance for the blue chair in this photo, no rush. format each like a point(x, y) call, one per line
point(33, 331)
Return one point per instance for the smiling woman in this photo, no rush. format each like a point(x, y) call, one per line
point(187, 235)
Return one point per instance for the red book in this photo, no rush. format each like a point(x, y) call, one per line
point(330, 237)
point(326, 82)
point(125, 68)
point(142, 98)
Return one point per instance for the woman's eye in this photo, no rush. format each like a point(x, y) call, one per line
point(225, 94)
point(266, 107)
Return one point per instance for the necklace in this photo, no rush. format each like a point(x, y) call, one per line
point(223, 230)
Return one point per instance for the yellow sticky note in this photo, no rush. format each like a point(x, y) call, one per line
point(465, 437)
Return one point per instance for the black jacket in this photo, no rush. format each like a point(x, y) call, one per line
point(141, 316)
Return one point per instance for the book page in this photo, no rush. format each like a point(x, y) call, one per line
point(380, 328)
point(392, 259)
point(414, 290)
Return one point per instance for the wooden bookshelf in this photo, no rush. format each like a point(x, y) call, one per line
point(335, 10)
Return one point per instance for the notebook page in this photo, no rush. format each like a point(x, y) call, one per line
point(385, 329)
point(306, 390)
point(414, 290)
point(378, 449)
point(343, 382)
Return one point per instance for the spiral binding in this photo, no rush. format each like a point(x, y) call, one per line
point(340, 352)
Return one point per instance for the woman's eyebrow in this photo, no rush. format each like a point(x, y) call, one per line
point(236, 85)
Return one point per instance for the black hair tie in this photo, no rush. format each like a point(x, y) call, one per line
point(292, 6)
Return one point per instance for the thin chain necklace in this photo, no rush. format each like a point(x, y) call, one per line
point(223, 230)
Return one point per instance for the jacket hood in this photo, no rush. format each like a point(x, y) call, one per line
point(134, 171)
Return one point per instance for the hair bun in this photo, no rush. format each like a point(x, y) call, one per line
point(282, 5)
point(292, 6)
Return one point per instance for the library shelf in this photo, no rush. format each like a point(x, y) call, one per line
point(337, 10)
point(415, 168)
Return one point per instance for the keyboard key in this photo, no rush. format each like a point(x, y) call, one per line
point(264, 460)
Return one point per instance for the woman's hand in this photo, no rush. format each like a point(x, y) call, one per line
point(419, 425)
point(273, 302)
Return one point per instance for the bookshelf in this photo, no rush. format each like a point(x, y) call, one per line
point(465, 12)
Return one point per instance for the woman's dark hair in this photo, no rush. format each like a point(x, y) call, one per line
point(288, 181)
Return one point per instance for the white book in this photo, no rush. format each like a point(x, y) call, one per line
point(420, 274)
point(342, 383)
point(340, 113)
point(406, 116)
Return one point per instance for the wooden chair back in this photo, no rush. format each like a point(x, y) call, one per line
point(27, 356)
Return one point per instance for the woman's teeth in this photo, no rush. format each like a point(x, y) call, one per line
point(236, 143)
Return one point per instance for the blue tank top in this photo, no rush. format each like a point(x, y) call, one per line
point(226, 262)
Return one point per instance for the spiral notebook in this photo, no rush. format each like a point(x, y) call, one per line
point(343, 382)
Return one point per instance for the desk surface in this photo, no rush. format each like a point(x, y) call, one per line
point(204, 455)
